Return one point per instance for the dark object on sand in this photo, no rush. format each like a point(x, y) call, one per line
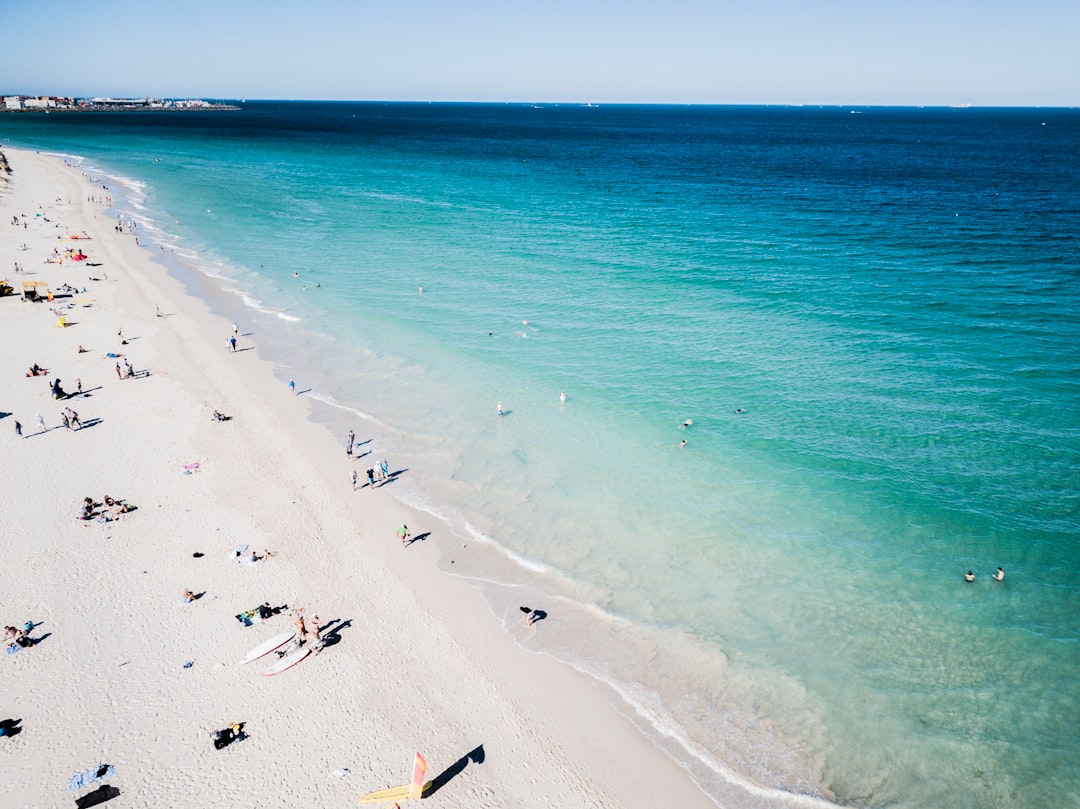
point(100, 795)
point(233, 733)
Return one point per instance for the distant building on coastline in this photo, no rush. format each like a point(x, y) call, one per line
point(23, 103)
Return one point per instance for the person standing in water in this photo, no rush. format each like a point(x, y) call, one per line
point(499, 409)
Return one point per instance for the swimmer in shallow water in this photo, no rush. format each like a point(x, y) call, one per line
point(685, 424)
point(969, 576)
point(1000, 575)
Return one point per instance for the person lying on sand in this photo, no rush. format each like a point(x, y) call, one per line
point(37, 370)
point(219, 416)
point(17, 637)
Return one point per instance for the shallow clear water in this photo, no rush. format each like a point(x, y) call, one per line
point(872, 320)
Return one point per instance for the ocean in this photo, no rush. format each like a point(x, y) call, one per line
point(870, 316)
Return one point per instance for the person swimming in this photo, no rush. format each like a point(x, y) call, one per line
point(1000, 575)
point(969, 576)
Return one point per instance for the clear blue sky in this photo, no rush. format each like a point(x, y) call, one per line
point(725, 51)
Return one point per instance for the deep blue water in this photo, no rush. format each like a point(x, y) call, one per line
point(871, 316)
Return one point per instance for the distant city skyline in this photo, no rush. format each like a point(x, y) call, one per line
point(682, 51)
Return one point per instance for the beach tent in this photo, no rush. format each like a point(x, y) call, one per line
point(35, 290)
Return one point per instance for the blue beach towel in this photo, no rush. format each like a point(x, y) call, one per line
point(83, 779)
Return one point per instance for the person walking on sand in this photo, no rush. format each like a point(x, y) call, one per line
point(349, 443)
point(235, 330)
point(18, 429)
point(292, 386)
point(403, 534)
point(41, 424)
point(371, 478)
point(118, 374)
point(354, 478)
point(232, 343)
point(78, 386)
point(384, 467)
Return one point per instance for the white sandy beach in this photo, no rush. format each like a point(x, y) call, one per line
point(416, 662)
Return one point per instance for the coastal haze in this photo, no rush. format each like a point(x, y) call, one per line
point(687, 51)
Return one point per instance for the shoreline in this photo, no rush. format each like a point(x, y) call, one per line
point(272, 474)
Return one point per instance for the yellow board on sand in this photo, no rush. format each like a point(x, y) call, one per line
point(400, 793)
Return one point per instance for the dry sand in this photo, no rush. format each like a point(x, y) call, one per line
point(420, 663)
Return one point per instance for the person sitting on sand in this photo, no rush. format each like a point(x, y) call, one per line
point(36, 370)
point(188, 596)
point(83, 350)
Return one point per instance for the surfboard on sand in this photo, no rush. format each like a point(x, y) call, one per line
point(268, 646)
point(288, 661)
point(400, 793)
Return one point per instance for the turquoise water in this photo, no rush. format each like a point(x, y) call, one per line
point(872, 320)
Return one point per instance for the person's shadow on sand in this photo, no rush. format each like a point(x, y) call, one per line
point(331, 637)
point(476, 756)
point(418, 538)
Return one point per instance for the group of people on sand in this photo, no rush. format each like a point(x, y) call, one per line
point(125, 372)
point(307, 633)
point(71, 419)
point(105, 511)
point(14, 638)
point(37, 370)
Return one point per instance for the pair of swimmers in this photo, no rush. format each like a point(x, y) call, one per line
point(998, 576)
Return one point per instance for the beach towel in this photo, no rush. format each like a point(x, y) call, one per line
point(249, 617)
point(83, 779)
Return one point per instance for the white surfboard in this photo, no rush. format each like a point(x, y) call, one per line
point(268, 646)
point(288, 661)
